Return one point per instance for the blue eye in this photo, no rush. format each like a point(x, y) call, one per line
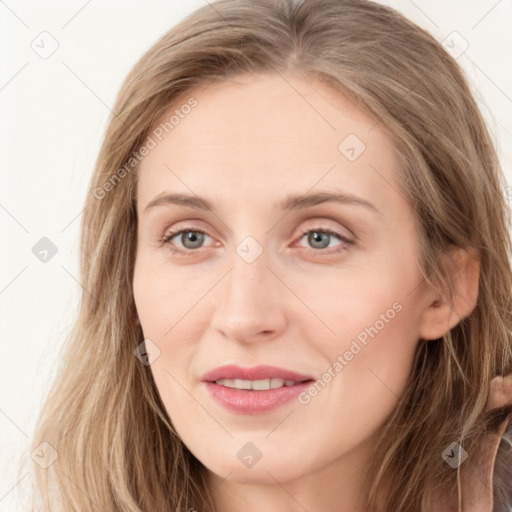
point(194, 236)
point(192, 239)
point(319, 236)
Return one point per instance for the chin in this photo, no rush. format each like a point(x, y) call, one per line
point(261, 474)
point(266, 470)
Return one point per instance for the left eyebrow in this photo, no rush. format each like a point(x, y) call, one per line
point(292, 202)
point(308, 200)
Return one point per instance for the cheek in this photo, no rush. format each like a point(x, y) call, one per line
point(360, 304)
point(159, 297)
point(163, 311)
point(172, 316)
point(371, 344)
point(367, 367)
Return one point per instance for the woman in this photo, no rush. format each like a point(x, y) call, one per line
point(244, 365)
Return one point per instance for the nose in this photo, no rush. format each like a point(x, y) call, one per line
point(251, 302)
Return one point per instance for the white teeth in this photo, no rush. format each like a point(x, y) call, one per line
point(257, 385)
point(260, 385)
point(240, 384)
point(276, 383)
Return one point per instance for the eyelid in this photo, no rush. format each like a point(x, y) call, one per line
point(185, 225)
point(321, 223)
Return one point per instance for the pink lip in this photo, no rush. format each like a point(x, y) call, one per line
point(243, 401)
point(232, 371)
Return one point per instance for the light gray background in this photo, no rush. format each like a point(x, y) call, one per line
point(53, 116)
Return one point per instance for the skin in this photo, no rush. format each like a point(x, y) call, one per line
point(249, 143)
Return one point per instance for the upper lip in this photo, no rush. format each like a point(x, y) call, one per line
point(255, 373)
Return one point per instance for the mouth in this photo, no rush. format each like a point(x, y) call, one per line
point(254, 390)
point(258, 385)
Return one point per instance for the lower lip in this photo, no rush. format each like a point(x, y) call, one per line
point(245, 401)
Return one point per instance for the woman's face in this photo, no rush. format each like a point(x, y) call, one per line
point(257, 280)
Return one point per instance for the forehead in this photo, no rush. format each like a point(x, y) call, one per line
point(259, 134)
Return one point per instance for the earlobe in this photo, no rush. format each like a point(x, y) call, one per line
point(442, 314)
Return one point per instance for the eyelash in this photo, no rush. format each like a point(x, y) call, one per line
point(166, 240)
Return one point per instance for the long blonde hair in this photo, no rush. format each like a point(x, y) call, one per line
point(117, 450)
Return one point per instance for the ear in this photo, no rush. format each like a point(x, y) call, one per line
point(440, 314)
